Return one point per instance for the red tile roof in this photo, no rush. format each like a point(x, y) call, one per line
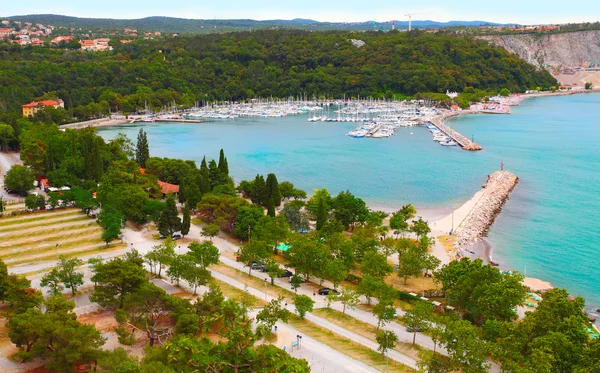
point(168, 188)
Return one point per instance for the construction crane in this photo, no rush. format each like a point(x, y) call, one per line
point(410, 15)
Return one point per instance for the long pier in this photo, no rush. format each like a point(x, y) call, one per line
point(461, 140)
point(475, 226)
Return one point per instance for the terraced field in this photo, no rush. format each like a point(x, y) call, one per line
point(37, 239)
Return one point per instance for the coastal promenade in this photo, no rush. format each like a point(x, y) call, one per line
point(475, 226)
point(461, 140)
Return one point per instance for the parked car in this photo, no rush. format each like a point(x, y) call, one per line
point(287, 273)
point(176, 237)
point(326, 291)
point(258, 267)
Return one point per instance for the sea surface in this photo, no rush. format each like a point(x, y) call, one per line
point(549, 228)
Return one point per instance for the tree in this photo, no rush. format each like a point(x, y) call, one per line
point(376, 265)
point(384, 309)
point(295, 282)
point(111, 220)
point(387, 340)
point(467, 352)
point(19, 179)
point(504, 92)
point(152, 305)
point(418, 317)
point(273, 312)
point(322, 215)
point(288, 191)
point(4, 280)
point(273, 192)
point(349, 209)
point(589, 85)
point(115, 279)
point(161, 255)
point(273, 269)
point(369, 286)
point(34, 201)
point(67, 273)
point(420, 228)
point(336, 271)
point(303, 304)
point(254, 251)
point(271, 208)
point(185, 225)
point(169, 221)
point(142, 150)
point(21, 295)
point(204, 254)
point(7, 136)
point(223, 166)
point(481, 291)
point(398, 223)
point(349, 299)
point(260, 193)
point(52, 281)
point(296, 219)
point(210, 231)
point(246, 220)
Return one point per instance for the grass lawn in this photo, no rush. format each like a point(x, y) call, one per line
point(232, 292)
point(362, 328)
point(254, 282)
point(346, 346)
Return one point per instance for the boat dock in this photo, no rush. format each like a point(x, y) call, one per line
point(461, 140)
point(475, 226)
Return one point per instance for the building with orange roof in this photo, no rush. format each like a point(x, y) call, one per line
point(33, 107)
point(168, 188)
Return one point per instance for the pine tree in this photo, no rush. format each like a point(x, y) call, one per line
point(271, 208)
point(181, 195)
point(273, 189)
point(169, 221)
point(214, 174)
point(142, 151)
point(185, 225)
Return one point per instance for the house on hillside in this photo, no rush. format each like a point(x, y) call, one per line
point(33, 107)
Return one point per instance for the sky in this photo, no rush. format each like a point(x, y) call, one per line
point(505, 11)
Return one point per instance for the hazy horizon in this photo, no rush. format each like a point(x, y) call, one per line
point(511, 11)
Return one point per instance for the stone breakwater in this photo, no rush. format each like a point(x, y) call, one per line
point(461, 140)
point(475, 226)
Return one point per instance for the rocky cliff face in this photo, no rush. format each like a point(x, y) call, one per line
point(553, 52)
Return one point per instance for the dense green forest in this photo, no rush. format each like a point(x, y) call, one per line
point(244, 65)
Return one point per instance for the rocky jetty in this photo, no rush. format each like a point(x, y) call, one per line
point(475, 226)
point(461, 140)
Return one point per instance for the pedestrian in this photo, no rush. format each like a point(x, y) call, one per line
point(314, 293)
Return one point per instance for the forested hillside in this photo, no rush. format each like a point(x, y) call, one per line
point(244, 65)
point(204, 26)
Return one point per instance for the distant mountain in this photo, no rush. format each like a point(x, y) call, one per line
point(182, 25)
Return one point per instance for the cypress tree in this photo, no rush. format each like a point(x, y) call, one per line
point(225, 169)
point(273, 189)
point(185, 225)
point(142, 151)
point(260, 194)
point(222, 161)
point(181, 196)
point(271, 208)
point(203, 166)
point(214, 174)
point(321, 214)
point(169, 220)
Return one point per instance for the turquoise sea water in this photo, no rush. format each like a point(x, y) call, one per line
point(550, 224)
